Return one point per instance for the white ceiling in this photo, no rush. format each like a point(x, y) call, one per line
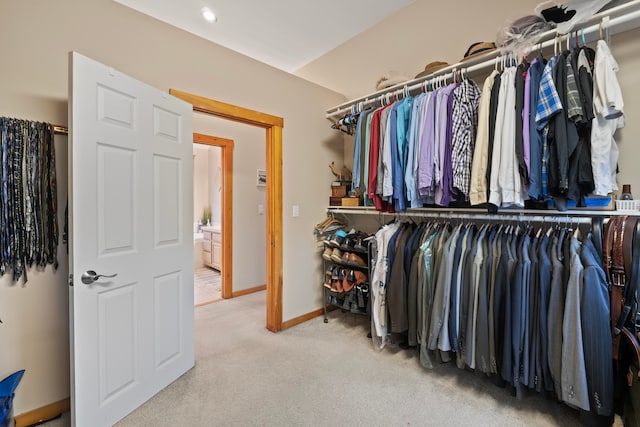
point(286, 34)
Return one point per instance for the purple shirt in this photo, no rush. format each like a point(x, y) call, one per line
point(443, 192)
point(427, 142)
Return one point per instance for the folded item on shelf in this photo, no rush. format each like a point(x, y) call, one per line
point(389, 79)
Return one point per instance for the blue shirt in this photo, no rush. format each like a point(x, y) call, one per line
point(410, 177)
point(399, 168)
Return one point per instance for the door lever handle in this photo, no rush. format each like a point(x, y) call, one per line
point(90, 276)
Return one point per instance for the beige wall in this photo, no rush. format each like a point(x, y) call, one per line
point(201, 182)
point(420, 33)
point(39, 34)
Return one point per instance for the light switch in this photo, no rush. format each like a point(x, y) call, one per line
point(295, 211)
point(260, 209)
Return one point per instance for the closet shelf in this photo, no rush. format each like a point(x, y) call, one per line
point(548, 215)
point(616, 20)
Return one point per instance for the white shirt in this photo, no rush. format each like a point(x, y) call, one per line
point(608, 108)
point(378, 285)
point(506, 186)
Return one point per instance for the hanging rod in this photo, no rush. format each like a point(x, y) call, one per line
point(481, 214)
point(60, 130)
point(627, 17)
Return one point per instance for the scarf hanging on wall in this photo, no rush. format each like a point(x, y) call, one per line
point(28, 197)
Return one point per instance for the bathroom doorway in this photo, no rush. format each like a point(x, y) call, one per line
point(207, 224)
point(212, 192)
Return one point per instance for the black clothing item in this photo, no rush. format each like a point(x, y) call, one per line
point(580, 172)
point(493, 112)
point(521, 73)
point(563, 136)
point(585, 86)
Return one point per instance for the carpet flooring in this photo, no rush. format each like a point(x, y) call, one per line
point(318, 374)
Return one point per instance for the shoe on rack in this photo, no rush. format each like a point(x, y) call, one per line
point(363, 244)
point(346, 304)
point(360, 277)
point(360, 245)
point(349, 281)
point(363, 295)
point(338, 238)
point(336, 255)
point(327, 282)
point(346, 258)
point(349, 242)
point(336, 286)
point(327, 253)
point(356, 260)
point(335, 273)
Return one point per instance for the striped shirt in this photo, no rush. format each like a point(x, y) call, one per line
point(466, 99)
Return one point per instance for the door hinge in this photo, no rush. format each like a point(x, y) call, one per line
point(70, 279)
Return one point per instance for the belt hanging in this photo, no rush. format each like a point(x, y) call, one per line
point(615, 275)
point(631, 249)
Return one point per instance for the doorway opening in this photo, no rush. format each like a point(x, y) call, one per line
point(273, 129)
point(213, 171)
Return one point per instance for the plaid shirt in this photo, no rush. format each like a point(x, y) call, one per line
point(574, 104)
point(466, 99)
point(548, 100)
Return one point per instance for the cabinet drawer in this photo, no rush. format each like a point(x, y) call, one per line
point(216, 237)
point(206, 258)
point(207, 235)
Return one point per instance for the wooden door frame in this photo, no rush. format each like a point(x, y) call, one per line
point(273, 126)
point(226, 211)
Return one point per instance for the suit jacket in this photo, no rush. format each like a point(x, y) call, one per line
point(574, 376)
point(596, 335)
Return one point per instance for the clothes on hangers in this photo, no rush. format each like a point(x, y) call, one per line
point(518, 304)
point(541, 130)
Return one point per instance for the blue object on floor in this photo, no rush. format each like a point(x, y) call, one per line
point(8, 387)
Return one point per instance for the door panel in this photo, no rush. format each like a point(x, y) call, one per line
point(167, 318)
point(116, 199)
point(117, 326)
point(130, 214)
point(167, 200)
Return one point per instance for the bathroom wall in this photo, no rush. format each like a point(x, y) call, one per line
point(201, 185)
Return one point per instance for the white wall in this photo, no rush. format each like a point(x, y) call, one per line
point(249, 227)
point(34, 85)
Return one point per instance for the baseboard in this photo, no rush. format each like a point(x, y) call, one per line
point(301, 319)
point(42, 414)
point(248, 291)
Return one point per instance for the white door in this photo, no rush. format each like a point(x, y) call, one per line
point(130, 214)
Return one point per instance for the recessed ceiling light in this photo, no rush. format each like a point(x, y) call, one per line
point(208, 15)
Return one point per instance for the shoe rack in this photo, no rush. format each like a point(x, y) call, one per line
point(347, 266)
